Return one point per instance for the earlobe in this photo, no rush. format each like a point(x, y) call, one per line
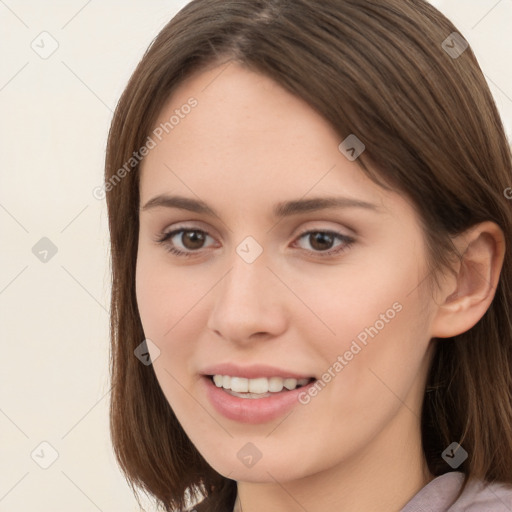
point(466, 297)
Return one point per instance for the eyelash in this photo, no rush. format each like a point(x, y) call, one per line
point(347, 242)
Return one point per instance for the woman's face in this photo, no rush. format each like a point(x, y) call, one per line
point(273, 285)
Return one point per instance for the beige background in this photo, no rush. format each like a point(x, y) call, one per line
point(55, 113)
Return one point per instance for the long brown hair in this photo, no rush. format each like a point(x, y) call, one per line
point(378, 69)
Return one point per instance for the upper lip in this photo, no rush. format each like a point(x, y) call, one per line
point(252, 371)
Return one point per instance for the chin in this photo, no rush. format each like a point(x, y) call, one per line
point(264, 470)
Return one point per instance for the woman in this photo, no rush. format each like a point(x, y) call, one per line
point(311, 289)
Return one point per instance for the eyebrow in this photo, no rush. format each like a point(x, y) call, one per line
point(280, 210)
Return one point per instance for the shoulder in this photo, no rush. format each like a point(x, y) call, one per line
point(488, 496)
point(478, 496)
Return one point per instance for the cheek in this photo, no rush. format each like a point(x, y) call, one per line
point(162, 292)
point(152, 292)
point(169, 300)
point(164, 302)
point(156, 297)
point(362, 295)
point(374, 316)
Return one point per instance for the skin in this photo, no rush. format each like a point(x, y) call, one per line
point(248, 145)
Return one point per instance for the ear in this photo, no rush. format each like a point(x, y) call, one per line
point(466, 296)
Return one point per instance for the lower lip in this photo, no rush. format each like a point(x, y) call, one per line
point(252, 410)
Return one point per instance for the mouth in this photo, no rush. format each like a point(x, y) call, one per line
point(261, 399)
point(261, 387)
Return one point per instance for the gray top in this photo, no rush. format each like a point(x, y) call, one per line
point(477, 497)
point(440, 492)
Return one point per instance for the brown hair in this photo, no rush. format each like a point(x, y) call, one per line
point(376, 69)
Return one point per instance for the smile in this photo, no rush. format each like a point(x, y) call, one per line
point(260, 403)
point(257, 388)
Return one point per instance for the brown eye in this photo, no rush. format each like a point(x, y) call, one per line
point(192, 239)
point(321, 242)
point(187, 242)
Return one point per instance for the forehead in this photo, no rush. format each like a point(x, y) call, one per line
point(246, 136)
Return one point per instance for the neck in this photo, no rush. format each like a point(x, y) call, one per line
point(384, 478)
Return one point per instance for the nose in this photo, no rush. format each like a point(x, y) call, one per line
point(249, 303)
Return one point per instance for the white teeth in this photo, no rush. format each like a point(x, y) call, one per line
point(240, 385)
point(256, 386)
point(290, 383)
point(260, 385)
point(275, 384)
